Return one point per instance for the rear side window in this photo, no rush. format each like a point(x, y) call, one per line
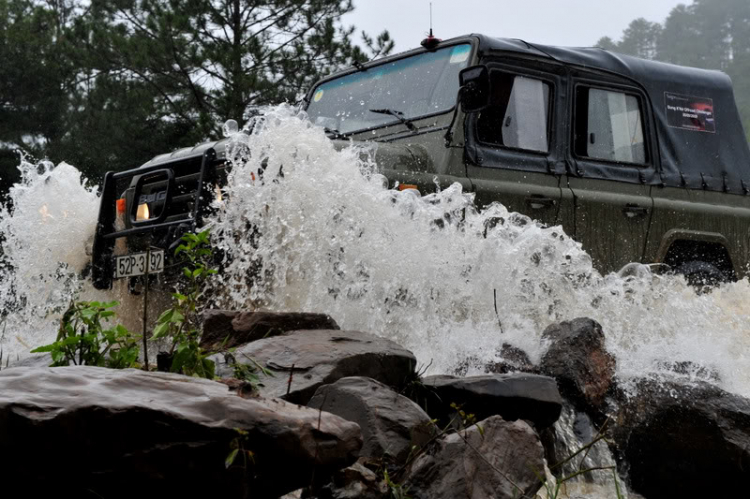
point(518, 116)
point(609, 126)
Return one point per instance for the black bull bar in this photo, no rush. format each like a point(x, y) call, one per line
point(170, 226)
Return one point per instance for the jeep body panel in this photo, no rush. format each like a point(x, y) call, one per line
point(550, 144)
point(701, 216)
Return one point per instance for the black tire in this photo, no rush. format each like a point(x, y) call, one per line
point(701, 275)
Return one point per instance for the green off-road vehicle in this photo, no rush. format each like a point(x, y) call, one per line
point(640, 161)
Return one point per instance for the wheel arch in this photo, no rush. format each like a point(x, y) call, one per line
point(682, 246)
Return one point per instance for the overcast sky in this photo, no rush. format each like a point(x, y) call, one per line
point(551, 22)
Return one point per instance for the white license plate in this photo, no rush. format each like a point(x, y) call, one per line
point(135, 264)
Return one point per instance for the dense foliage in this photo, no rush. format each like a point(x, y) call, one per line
point(711, 34)
point(107, 84)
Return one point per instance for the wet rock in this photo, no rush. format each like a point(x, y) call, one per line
point(512, 360)
point(571, 433)
point(513, 396)
point(580, 363)
point(302, 361)
point(355, 482)
point(497, 463)
point(391, 423)
point(691, 370)
point(95, 432)
point(685, 441)
point(231, 328)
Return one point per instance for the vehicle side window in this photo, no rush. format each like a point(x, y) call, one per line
point(518, 113)
point(609, 126)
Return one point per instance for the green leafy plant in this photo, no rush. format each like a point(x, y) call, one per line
point(180, 322)
point(395, 490)
point(248, 373)
point(83, 340)
point(237, 448)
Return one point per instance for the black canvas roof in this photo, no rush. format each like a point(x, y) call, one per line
point(717, 159)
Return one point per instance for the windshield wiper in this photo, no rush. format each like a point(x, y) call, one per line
point(334, 134)
point(396, 114)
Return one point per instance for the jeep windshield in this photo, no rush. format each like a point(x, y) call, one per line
point(395, 92)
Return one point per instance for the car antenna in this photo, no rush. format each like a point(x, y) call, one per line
point(430, 43)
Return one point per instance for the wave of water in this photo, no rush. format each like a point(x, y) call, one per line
point(442, 278)
point(308, 227)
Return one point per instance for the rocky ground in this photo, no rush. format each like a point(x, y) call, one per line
point(344, 414)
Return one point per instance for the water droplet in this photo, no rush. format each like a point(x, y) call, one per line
point(230, 128)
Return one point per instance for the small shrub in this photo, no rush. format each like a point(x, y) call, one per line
point(82, 339)
point(180, 322)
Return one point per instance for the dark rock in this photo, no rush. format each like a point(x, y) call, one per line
point(513, 396)
point(498, 462)
point(512, 360)
point(217, 325)
point(303, 361)
point(95, 432)
point(391, 423)
point(228, 328)
point(355, 482)
point(578, 360)
point(685, 441)
point(691, 370)
point(164, 361)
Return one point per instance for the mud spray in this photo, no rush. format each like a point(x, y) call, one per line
point(308, 227)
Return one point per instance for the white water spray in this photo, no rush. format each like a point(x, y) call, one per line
point(316, 230)
point(45, 230)
point(312, 228)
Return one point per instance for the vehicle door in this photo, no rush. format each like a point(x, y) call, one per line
point(512, 147)
point(611, 170)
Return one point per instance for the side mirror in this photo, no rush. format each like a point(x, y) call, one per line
point(475, 88)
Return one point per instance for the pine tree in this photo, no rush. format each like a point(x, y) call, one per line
point(108, 84)
point(211, 60)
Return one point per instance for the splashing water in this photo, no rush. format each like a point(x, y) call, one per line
point(46, 231)
point(309, 227)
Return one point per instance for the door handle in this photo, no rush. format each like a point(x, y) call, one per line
point(539, 203)
point(634, 211)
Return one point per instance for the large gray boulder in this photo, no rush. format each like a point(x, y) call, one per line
point(230, 328)
point(578, 360)
point(391, 423)
point(95, 432)
point(685, 440)
point(498, 462)
point(529, 397)
point(302, 361)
